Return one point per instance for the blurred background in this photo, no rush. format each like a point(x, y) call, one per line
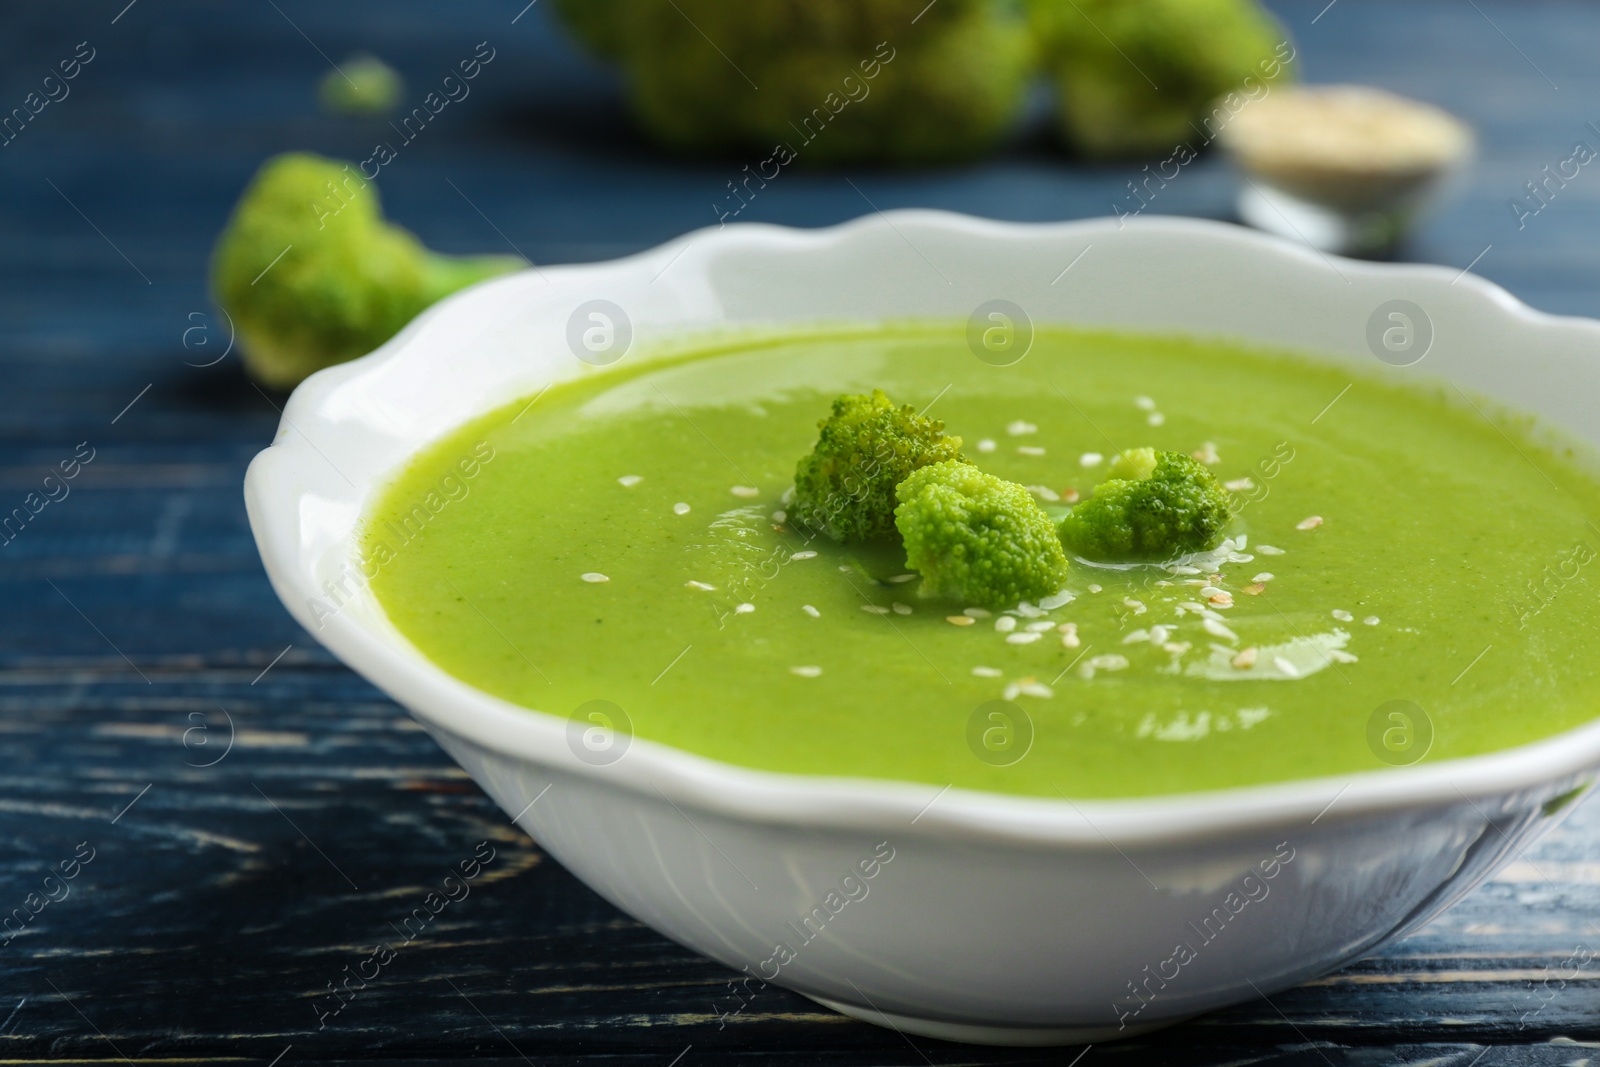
point(249, 802)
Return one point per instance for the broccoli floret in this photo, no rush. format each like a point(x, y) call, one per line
point(1154, 505)
point(845, 486)
point(363, 85)
point(976, 538)
point(1108, 57)
point(839, 80)
point(312, 275)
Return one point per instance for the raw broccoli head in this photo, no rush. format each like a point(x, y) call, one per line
point(362, 85)
point(1154, 505)
point(1132, 75)
point(845, 488)
point(312, 275)
point(977, 539)
point(839, 80)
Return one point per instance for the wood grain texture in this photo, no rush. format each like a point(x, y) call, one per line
point(137, 624)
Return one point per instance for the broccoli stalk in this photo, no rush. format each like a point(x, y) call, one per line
point(312, 275)
point(845, 487)
point(976, 538)
point(1154, 505)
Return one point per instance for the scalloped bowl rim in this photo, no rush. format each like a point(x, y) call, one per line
point(381, 654)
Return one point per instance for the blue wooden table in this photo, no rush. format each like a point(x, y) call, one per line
point(243, 818)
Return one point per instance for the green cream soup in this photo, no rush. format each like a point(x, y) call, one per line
point(1406, 577)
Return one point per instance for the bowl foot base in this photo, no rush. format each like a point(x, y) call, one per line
point(977, 1034)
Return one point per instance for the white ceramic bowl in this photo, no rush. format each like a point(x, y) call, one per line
point(995, 919)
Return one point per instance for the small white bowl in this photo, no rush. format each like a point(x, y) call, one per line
point(994, 918)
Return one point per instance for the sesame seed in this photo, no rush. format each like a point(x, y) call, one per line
point(1027, 610)
point(1093, 587)
point(1269, 550)
point(1207, 454)
point(809, 610)
point(745, 491)
point(875, 609)
point(986, 445)
point(1372, 620)
point(806, 672)
point(744, 609)
point(1222, 599)
point(1039, 627)
point(1056, 600)
point(1136, 637)
point(1091, 459)
point(1110, 662)
point(1339, 655)
point(897, 579)
point(680, 508)
point(1177, 648)
point(691, 583)
point(1285, 666)
point(1028, 687)
point(1070, 640)
point(1018, 428)
point(1069, 495)
point(1310, 522)
point(1185, 569)
point(1159, 634)
point(1209, 591)
point(1245, 659)
point(1144, 403)
point(1264, 576)
point(986, 672)
point(1255, 589)
point(1155, 418)
point(807, 554)
point(628, 481)
point(1135, 606)
point(976, 613)
point(595, 576)
point(1005, 623)
point(1342, 615)
point(1239, 485)
point(1011, 692)
point(1044, 492)
point(1022, 638)
point(1219, 629)
point(960, 620)
point(902, 609)
point(1029, 450)
point(780, 516)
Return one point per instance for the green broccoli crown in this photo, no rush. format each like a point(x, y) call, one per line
point(1154, 505)
point(362, 85)
point(1108, 56)
point(977, 538)
point(845, 487)
point(312, 275)
point(839, 80)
